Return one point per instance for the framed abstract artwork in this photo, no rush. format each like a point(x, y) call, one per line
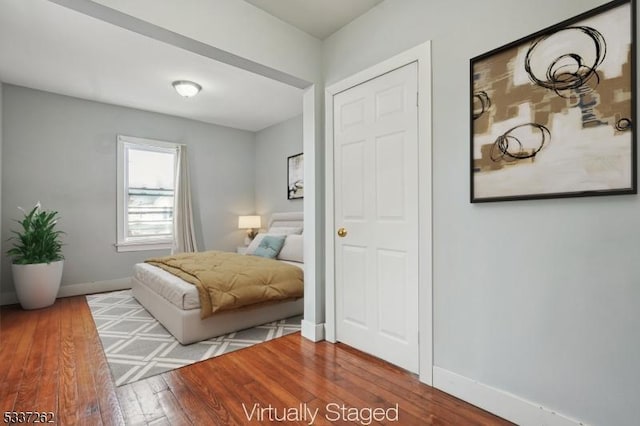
point(553, 114)
point(295, 177)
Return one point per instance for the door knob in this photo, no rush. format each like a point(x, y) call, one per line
point(342, 232)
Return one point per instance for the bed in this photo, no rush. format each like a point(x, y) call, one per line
point(176, 305)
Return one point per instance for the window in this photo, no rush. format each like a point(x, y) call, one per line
point(146, 182)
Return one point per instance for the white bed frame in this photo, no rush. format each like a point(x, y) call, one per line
point(188, 327)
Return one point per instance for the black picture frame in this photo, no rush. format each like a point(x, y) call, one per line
point(295, 177)
point(553, 114)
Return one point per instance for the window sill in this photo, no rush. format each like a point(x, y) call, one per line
point(143, 246)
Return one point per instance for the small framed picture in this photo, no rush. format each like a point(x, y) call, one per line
point(295, 176)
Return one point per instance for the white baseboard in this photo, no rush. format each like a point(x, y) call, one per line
point(498, 402)
point(94, 287)
point(311, 331)
point(9, 298)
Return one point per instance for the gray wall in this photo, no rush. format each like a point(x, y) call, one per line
point(273, 145)
point(1, 135)
point(62, 151)
point(550, 312)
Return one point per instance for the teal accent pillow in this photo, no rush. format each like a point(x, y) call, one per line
point(270, 246)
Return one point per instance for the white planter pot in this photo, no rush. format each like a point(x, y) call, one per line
point(37, 284)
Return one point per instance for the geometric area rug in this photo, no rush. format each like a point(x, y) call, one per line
point(138, 346)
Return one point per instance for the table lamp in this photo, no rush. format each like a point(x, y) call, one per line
point(251, 224)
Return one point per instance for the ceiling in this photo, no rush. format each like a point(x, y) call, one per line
point(49, 47)
point(320, 18)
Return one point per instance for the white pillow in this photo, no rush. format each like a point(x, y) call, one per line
point(255, 243)
point(292, 250)
point(285, 230)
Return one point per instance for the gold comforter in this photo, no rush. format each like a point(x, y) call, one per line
point(229, 280)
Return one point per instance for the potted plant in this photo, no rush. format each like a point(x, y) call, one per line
point(37, 258)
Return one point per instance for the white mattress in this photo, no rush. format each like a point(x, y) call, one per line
point(175, 290)
point(180, 293)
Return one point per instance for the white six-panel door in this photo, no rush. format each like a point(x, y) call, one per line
point(376, 215)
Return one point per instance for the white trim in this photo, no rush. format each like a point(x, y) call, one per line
point(422, 55)
point(143, 245)
point(498, 402)
point(162, 146)
point(311, 331)
point(9, 298)
point(425, 212)
point(313, 291)
point(308, 207)
point(94, 287)
point(330, 290)
point(124, 143)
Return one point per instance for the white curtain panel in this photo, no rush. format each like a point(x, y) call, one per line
point(184, 237)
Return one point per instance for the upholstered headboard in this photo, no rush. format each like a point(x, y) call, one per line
point(289, 219)
point(291, 225)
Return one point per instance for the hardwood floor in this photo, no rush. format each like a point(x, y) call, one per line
point(51, 361)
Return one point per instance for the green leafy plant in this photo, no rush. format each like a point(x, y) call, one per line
point(38, 241)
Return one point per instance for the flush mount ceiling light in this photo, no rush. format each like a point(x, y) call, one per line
point(186, 88)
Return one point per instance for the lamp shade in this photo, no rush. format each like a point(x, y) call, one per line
point(248, 222)
point(186, 88)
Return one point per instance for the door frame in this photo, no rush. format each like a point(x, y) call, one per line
point(422, 55)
